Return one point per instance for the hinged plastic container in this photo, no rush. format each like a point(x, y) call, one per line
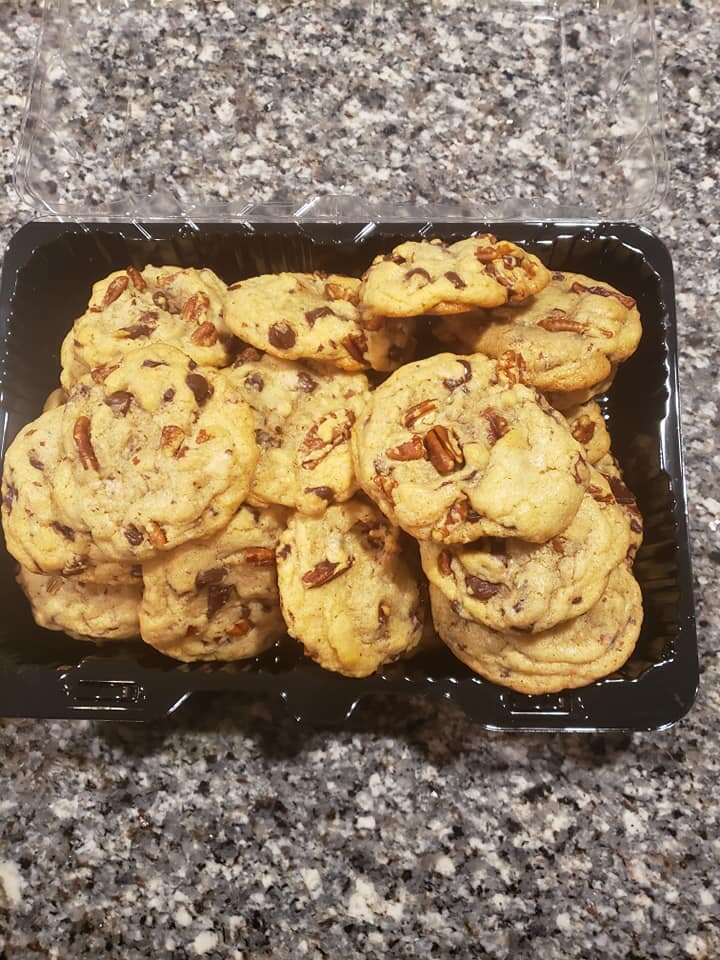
point(302, 133)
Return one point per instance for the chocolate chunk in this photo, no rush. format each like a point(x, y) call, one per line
point(282, 335)
point(154, 363)
point(467, 376)
point(64, 531)
point(324, 493)
point(255, 382)
point(218, 596)
point(622, 494)
point(455, 279)
point(208, 577)
point(201, 389)
point(119, 402)
point(133, 535)
point(312, 315)
point(418, 272)
point(306, 382)
point(481, 589)
point(35, 461)
point(168, 395)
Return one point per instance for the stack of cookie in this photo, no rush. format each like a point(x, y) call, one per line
point(216, 471)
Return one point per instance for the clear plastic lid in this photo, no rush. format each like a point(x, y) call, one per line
point(344, 109)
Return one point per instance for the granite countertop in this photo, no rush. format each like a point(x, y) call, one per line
point(227, 832)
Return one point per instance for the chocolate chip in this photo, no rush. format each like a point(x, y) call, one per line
point(133, 535)
point(324, 493)
point(306, 382)
point(622, 494)
point(254, 381)
point(455, 279)
point(208, 577)
point(481, 589)
point(201, 389)
point(418, 272)
point(284, 552)
point(119, 402)
point(281, 335)
point(467, 376)
point(312, 315)
point(64, 531)
point(218, 596)
point(35, 462)
point(9, 497)
point(138, 330)
point(153, 363)
point(168, 395)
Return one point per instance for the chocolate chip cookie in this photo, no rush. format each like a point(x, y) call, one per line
point(610, 469)
point(217, 599)
point(349, 591)
point(455, 448)
point(438, 278)
point(569, 334)
point(570, 655)
point(159, 452)
point(315, 316)
point(588, 426)
point(304, 414)
point(132, 308)
point(511, 585)
point(84, 611)
point(35, 534)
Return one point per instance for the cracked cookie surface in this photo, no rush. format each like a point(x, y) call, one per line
point(455, 448)
point(315, 316)
point(133, 308)
point(568, 656)
point(160, 452)
point(511, 585)
point(304, 415)
point(431, 277)
point(217, 599)
point(349, 591)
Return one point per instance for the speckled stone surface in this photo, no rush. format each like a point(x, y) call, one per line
point(224, 832)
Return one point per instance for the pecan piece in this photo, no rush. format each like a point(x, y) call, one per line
point(195, 307)
point(156, 535)
point(162, 300)
point(205, 335)
point(486, 254)
point(282, 335)
point(558, 321)
point(207, 578)
point(481, 589)
point(465, 378)
point(444, 563)
point(444, 452)
point(315, 447)
point(627, 302)
point(413, 449)
point(511, 367)
point(583, 429)
point(172, 439)
point(325, 571)
point(81, 436)
point(259, 556)
point(203, 436)
point(116, 289)
point(240, 628)
point(137, 279)
point(383, 481)
point(336, 291)
point(356, 344)
point(418, 410)
point(580, 470)
point(492, 270)
point(497, 425)
point(375, 532)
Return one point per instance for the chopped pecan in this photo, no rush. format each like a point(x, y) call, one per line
point(490, 237)
point(81, 436)
point(356, 345)
point(336, 291)
point(100, 374)
point(133, 535)
point(203, 436)
point(492, 270)
point(580, 470)
point(116, 289)
point(246, 354)
point(53, 584)
point(455, 279)
point(444, 452)
point(199, 386)
point(207, 578)
point(205, 335)
point(444, 563)
point(156, 534)
point(510, 262)
point(373, 321)
point(284, 551)
point(419, 272)
point(413, 449)
point(138, 281)
point(636, 526)
point(172, 439)
point(583, 429)
point(418, 410)
point(313, 315)
point(557, 321)
point(392, 258)
point(383, 481)
point(458, 512)
point(497, 425)
point(67, 532)
point(119, 402)
point(161, 300)
point(315, 446)
point(481, 589)
point(627, 302)
point(259, 556)
point(511, 367)
point(240, 628)
point(558, 544)
point(195, 308)
point(325, 571)
point(282, 335)
point(375, 531)
point(486, 254)
point(465, 378)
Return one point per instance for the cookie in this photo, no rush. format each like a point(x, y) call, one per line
point(34, 533)
point(349, 591)
point(133, 308)
point(610, 469)
point(587, 425)
point(304, 415)
point(576, 398)
point(438, 278)
point(453, 448)
point(217, 599)
point(158, 453)
point(54, 400)
point(569, 334)
point(84, 611)
point(571, 655)
point(511, 585)
point(315, 316)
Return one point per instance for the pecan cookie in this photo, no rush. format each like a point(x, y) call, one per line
point(132, 308)
point(437, 278)
point(455, 448)
point(610, 469)
point(576, 398)
point(85, 611)
point(588, 426)
point(217, 599)
point(304, 415)
point(511, 585)
point(316, 317)
point(158, 453)
point(569, 335)
point(348, 591)
point(34, 533)
point(567, 656)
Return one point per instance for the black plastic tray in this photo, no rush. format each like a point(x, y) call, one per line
point(48, 271)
